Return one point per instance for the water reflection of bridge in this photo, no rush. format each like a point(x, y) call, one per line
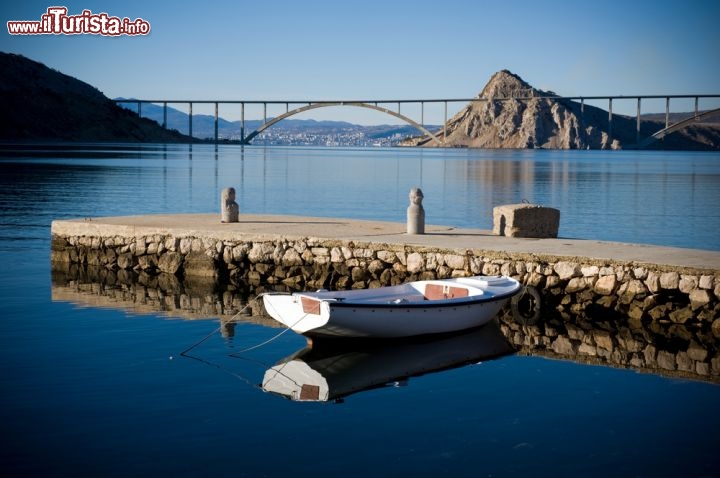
point(394, 108)
point(660, 347)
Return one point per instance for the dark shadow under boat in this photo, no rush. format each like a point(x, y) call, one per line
point(332, 369)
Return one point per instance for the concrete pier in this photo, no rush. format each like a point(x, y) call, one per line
point(596, 278)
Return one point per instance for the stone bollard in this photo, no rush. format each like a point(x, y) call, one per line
point(416, 213)
point(229, 209)
point(526, 220)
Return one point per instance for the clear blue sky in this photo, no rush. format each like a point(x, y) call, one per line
point(347, 49)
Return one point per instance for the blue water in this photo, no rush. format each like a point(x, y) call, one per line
point(87, 391)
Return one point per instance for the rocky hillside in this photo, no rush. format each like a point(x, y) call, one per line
point(40, 104)
point(545, 121)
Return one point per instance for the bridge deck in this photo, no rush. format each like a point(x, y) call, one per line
point(419, 124)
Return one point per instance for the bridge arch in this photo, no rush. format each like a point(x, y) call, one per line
point(674, 127)
point(313, 106)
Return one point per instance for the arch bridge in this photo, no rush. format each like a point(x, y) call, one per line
point(675, 127)
point(313, 106)
point(439, 136)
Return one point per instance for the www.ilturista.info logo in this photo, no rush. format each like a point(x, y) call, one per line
point(57, 22)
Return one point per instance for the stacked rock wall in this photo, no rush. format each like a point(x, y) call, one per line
point(567, 287)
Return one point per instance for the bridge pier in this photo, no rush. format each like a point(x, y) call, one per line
point(242, 123)
point(637, 127)
point(445, 125)
point(610, 122)
point(216, 122)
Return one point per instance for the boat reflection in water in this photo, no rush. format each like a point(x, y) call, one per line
point(659, 347)
point(332, 369)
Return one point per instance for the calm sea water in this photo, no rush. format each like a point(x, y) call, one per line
point(88, 391)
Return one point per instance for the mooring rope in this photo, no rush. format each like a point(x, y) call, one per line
point(233, 319)
point(185, 353)
point(257, 346)
point(226, 370)
point(271, 339)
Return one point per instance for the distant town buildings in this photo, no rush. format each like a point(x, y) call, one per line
point(351, 137)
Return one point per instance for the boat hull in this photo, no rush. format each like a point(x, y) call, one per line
point(364, 321)
point(400, 311)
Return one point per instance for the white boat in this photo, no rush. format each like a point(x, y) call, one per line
point(415, 308)
point(332, 369)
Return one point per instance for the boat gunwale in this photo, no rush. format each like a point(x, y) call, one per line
point(434, 304)
point(345, 301)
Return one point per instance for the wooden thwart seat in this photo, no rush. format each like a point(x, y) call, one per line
point(440, 292)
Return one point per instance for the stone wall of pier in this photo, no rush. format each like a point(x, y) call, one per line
point(567, 287)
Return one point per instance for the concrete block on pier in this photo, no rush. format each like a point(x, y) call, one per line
point(526, 220)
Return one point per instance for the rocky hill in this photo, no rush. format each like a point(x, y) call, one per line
point(40, 104)
point(516, 115)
